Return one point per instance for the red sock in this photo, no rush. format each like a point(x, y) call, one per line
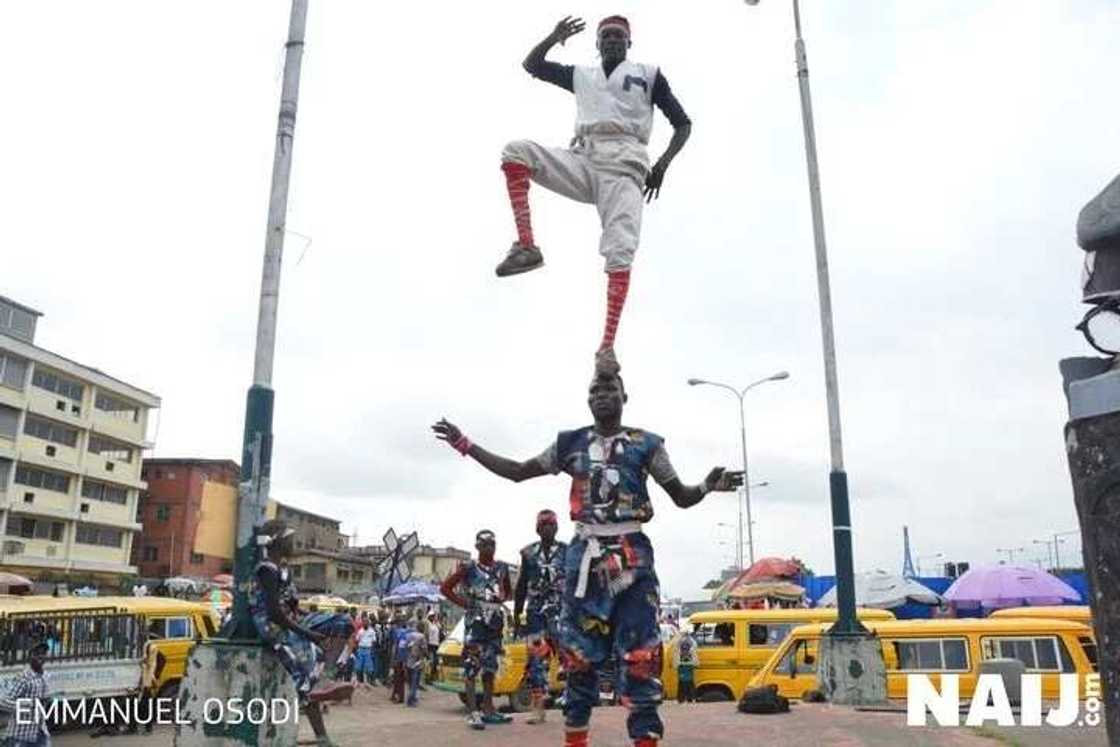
point(618, 282)
point(517, 182)
point(645, 742)
point(576, 738)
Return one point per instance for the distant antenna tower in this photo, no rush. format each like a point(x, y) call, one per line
point(907, 561)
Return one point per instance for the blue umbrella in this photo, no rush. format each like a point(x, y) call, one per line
point(413, 591)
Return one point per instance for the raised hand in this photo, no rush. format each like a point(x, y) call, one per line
point(722, 480)
point(446, 431)
point(567, 28)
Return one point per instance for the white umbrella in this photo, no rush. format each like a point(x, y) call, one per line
point(883, 590)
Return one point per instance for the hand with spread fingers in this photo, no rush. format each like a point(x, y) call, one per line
point(721, 480)
point(567, 28)
point(446, 431)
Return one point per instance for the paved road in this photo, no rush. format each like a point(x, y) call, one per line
point(373, 720)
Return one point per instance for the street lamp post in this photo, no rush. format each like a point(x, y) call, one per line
point(851, 665)
point(740, 394)
point(1010, 553)
point(1058, 538)
point(1049, 551)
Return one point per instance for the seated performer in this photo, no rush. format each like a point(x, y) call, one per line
point(611, 593)
point(272, 601)
point(607, 166)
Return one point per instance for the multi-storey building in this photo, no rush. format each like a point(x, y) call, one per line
point(189, 517)
point(71, 439)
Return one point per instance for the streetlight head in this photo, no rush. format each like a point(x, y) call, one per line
point(781, 374)
point(694, 382)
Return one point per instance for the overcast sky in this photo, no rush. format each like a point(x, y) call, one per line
point(957, 142)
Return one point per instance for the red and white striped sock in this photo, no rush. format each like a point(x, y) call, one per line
point(517, 182)
point(618, 283)
point(576, 738)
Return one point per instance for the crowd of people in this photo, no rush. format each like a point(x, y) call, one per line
point(397, 651)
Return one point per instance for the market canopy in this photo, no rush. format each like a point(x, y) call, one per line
point(783, 590)
point(13, 583)
point(883, 590)
point(999, 586)
point(411, 592)
point(763, 569)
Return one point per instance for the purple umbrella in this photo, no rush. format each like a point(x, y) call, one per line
point(1009, 586)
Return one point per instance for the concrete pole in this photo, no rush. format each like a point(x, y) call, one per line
point(256, 453)
point(746, 488)
point(838, 480)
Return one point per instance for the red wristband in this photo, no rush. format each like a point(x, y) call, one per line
point(462, 445)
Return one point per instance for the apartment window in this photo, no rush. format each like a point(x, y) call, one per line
point(41, 478)
point(151, 553)
point(100, 491)
point(109, 448)
point(297, 571)
point(163, 513)
point(5, 470)
point(29, 527)
point(13, 371)
point(357, 576)
point(50, 431)
point(58, 384)
point(196, 558)
point(9, 422)
point(343, 575)
point(93, 534)
point(17, 322)
point(117, 408)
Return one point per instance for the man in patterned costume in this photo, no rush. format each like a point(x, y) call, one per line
point(611, 593)
point(480, 587)
point(272, 602)
point(540, 592)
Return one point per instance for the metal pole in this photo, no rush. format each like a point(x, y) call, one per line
point(746, 488)
point(838, 480)
point(1057, 558)
point(256, 452)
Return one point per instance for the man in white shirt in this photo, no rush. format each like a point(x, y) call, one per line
point(607, 165)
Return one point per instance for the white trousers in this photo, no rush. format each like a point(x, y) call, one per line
point(608, 173)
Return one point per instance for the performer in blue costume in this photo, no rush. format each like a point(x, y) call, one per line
point(611, 593)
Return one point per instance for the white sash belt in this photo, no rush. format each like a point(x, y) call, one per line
point(591, 534)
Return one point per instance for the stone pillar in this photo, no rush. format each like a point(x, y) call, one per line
point(222, 678)
point(1093, 448)
point(851, 670)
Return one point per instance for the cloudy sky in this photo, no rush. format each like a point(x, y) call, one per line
point(957, 140)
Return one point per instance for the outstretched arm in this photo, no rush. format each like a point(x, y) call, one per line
point(565, 29)
point(499, 465)
point(718, 480)
point(686, 496)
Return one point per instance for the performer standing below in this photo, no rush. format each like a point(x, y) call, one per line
point(480, 587)
point(607, 164)
point(540, 592)
point(611, 593)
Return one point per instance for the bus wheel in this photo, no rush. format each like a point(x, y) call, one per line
point(714, 694)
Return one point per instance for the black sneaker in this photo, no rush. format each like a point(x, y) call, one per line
point(519, 259)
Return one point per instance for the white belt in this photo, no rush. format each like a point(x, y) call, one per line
point(591, 534)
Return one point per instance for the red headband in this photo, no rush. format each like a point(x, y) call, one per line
point(617, 22)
